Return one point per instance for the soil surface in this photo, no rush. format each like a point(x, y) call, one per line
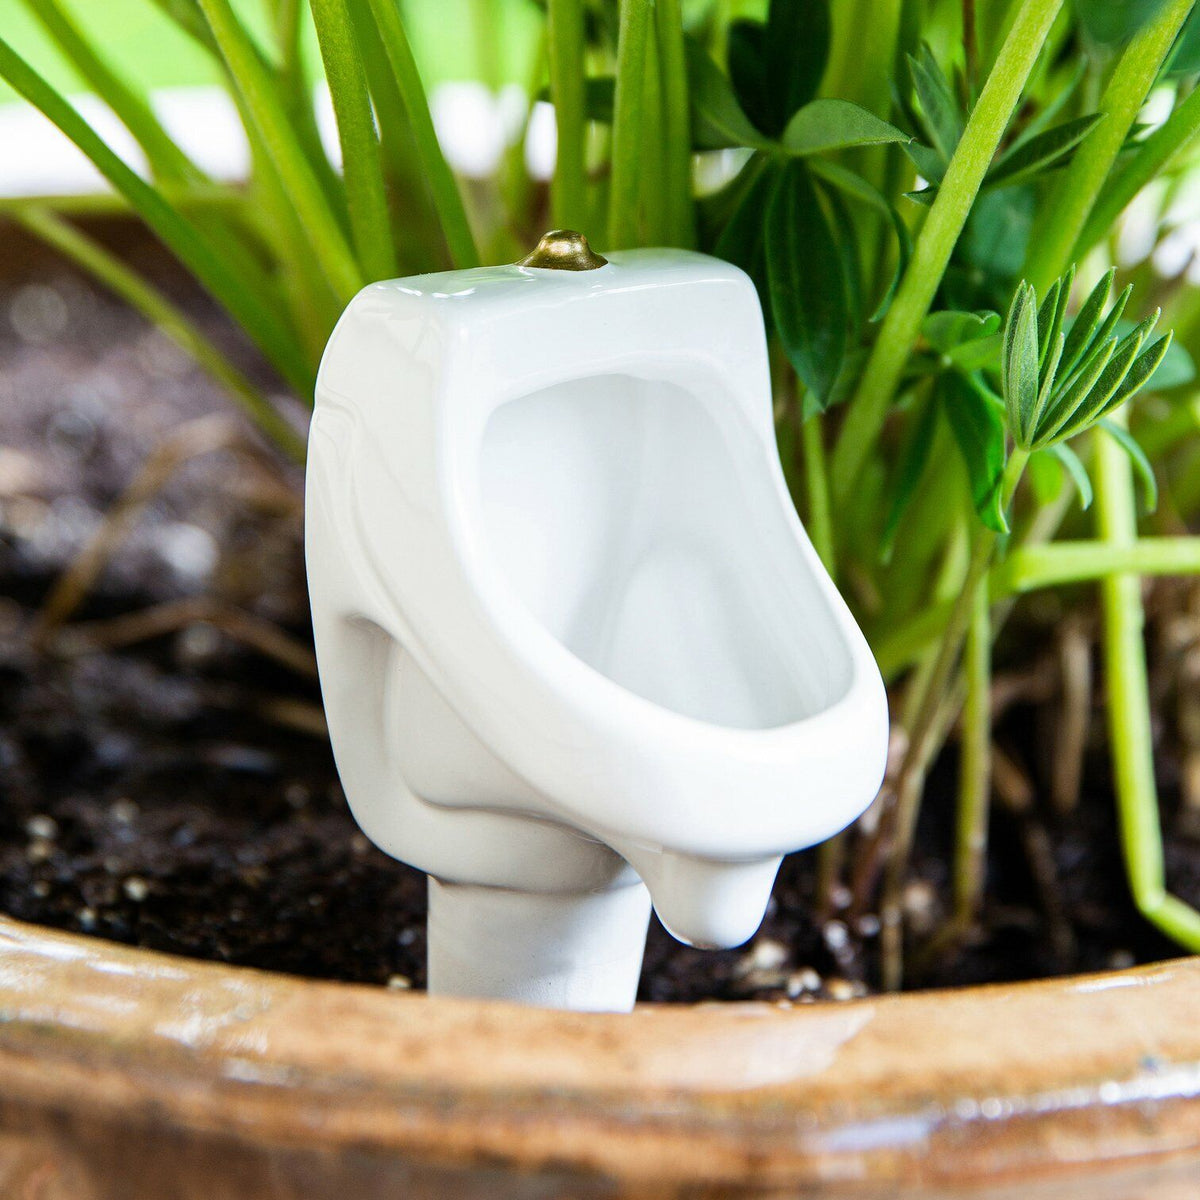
point(164, 775)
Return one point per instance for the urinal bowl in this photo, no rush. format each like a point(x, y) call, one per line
point(572, 636)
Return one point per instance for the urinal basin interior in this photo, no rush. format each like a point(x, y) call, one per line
point(643, 527)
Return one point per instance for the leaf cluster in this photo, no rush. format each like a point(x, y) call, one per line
point(1059, 379)
point(787, 218)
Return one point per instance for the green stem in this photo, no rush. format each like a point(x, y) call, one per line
point(568, 75)
point(923, 736)
point(132, 288)
point(931, 255)
point(1030, 568)
point(1066, 207)
point(362, 168)
point(1128, 707)
point(448, 199)
point(816, 488)
point(677, 130)
point(1146, 163)
point(628, 124)
point(264, 103)
point(975, 776)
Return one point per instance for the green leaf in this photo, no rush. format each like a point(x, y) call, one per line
point(1140, 373)
point(825, 125)
point(931, 166)
point(1050, 317)
point(1019, 364)
point(1058, 414)
point(1045, 475)
point(804, 271)
point(1077, 471)
point(925, 197)
point(858, 188)
point(1185, 57)
point(913, 458)
point(938, 104)
point(741, 238)
point(1142, 467)
point(797, 49)
point(718, 121)
point(362, 167)
point(977, 422)
point(1040, 153)
point(1079, 337)
point(1103, 390)
point(945, 331)
point(1113, 21)
point(748, 71)
point(261, 95)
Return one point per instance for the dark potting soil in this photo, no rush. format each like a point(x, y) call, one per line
point(164, 777)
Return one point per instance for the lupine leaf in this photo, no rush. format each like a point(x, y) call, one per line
point(858, 188)
point(797, 49)
point(1142, 466)
point(1082, 328)
point(1077, 471)
point(804, 272)
point(977, 423)
point(938, 105)
point(929, 163)
point(1046, 315)
point(1061, 409)
point(1114, 21)
point(741, 238)
point(825, 125)
point(748, 70)
point(946, 330)
point(1102, 391)
point(1040, 153)
point(717, 119)
point(1019, 364)
point(1185, 57)
point(925, 197)
point(1140, 373)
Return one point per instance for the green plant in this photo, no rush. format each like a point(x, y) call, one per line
point(893, 175)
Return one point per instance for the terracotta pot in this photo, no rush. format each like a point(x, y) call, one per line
point(129, 1074)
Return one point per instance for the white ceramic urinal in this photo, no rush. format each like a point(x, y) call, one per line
point(574, 643)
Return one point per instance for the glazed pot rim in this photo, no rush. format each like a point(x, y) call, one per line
point(1010, 1082)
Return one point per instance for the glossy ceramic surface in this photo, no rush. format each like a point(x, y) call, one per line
point(574, 642)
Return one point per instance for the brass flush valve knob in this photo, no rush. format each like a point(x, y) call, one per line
point(563, 250)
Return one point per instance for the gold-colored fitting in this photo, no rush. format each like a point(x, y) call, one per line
point(563, 250)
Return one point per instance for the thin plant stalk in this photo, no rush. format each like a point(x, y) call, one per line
point(1128, 707)
point(628, 124)
point(816, 489)
point(1066, 208)
point(934, 245)
point(676, 124)
point(565, 51)
point(362, 168)
point(303, 188)
point(448, 201)
point(975, 774)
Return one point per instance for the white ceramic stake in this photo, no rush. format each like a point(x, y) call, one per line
point(574, 642)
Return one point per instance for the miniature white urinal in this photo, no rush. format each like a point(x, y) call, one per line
point(576, 650)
